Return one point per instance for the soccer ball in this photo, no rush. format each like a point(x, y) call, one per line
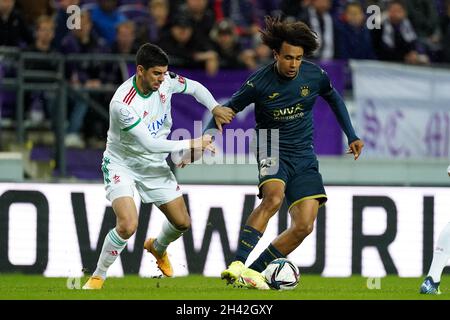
point(282, 274)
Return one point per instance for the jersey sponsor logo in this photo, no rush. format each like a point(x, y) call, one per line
point(162, 96)
point(125, 116)
point(288, 113)
point(154, 126)
point(181, 80)
point(130, 96)
point(304, 91)
point(274, 95)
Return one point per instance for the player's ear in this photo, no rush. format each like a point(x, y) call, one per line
point(275, 54)
point(140, 70)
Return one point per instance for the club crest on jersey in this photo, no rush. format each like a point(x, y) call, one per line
point(304, 91)
point(162, 96)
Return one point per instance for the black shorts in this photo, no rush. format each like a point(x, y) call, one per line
point(300, 176)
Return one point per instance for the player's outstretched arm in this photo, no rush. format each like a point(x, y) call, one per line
point(157, 145)
point(131, 123)
point(340, 110)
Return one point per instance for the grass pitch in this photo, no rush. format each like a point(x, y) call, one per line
point(195, 287)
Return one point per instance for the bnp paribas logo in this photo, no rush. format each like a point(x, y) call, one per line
point(304, 91)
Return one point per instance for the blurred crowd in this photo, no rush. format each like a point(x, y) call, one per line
point(215, 34)
point(220, 34)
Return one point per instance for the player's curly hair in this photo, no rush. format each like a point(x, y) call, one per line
point(150, 55)
point(295, 33)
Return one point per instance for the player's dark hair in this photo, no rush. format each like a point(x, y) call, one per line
point(150, 55)
point(295, 33)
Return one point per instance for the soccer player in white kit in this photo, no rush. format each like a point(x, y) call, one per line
point(136, 152)
point(441, 254)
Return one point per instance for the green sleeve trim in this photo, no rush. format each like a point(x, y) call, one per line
point(132, 126)
point(185, 86)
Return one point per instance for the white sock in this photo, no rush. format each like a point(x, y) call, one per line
point(112, 247)
point(441, 254)
point(167, 235)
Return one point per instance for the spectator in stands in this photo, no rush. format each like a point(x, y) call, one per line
point(32, 10)
point(185, 50)
point(202, 17)
point(424, 19)
point(13, 30)
point(125, 42)
point(353, 38)
point(44, 34)
point(397, 39)
point(231, 55)
point(445, 27)
point(42, 103)
point(263, 54)
point(244, 15)
point(158, 23)
point(87, 74)
point(319, 19)
point(106, 17)
point(61, 17)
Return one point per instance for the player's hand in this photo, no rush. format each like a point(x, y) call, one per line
point(203, 143)
point(355, 148)
point(198, 146)
point(189, 156)
point(222, 115)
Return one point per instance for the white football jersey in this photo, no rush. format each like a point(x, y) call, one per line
point(128, 108)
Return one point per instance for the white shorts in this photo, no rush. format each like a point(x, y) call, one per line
point(158, 186)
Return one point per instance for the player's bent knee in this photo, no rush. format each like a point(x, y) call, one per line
point(184, 225)
point(272, 203)
point(302, 231)
point(127, 229)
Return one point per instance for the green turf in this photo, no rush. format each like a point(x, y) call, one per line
point(205, 288)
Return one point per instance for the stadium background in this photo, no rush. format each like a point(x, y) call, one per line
point(384, 212)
